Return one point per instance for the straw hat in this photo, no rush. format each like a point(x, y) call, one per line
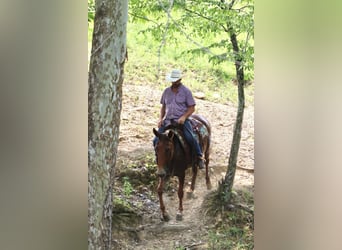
point(174, 76)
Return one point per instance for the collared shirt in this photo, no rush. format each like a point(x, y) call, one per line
point(176, 104)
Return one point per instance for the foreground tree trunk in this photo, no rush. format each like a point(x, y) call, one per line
point(104, 108)
point(234, 150)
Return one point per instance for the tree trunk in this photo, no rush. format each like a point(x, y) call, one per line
point(234, 150)
point(104, 108)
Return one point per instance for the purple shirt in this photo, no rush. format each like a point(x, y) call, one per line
point(176, 104)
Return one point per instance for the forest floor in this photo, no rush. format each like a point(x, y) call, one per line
point(140, 226)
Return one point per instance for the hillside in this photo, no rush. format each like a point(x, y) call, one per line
point(140, 226)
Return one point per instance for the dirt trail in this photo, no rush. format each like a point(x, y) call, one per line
point(139, 115)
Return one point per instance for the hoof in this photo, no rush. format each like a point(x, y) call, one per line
point(190, 195)
point(209, 187)
point(165, 217)
point(179, 216)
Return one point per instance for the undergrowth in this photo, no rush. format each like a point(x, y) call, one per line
point(233, 224)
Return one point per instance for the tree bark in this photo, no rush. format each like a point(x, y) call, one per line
point(104, 108)
point(234, 150)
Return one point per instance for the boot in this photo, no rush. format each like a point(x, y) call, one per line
point(200, 162)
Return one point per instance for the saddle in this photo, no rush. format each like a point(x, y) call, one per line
point(199, 130)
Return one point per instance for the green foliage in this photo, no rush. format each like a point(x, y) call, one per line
point(234, 231)
point(234, 226)
point(127, 187)
point(121, 202)
point(196, 19)
point(231, 237)
point(155, 47)
point(192, 35)
point(91, 11)
point(146, 66)
point(121, 205)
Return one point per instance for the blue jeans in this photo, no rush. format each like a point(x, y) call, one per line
point(188, 134)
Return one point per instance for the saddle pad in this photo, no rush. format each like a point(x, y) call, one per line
point(200, 130)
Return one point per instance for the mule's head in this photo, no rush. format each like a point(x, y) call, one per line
point(164, 150)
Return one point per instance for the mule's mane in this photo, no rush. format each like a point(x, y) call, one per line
point(178, 136)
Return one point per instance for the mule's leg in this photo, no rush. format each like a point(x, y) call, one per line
point(190, 193)
point(207, 178)
point(179, 215)
point(193, 179)
point(164, 215)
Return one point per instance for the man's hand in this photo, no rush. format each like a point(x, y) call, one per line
point(190, 110)
point(160, 122)
point(181, 120)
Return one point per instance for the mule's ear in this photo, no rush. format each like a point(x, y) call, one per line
point(170, 134)
point(156, 132)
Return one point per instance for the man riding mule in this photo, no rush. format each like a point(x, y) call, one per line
point(177, 106)
point(174, 157)
point(174, 154)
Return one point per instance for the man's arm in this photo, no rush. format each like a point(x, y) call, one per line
point(161, 116)
point(190, 110)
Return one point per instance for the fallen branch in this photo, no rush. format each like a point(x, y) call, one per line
point(249, 170)
point(241, 206)
point(159, 228)
point(190, 246)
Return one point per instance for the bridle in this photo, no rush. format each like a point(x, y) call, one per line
point(168, 149)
